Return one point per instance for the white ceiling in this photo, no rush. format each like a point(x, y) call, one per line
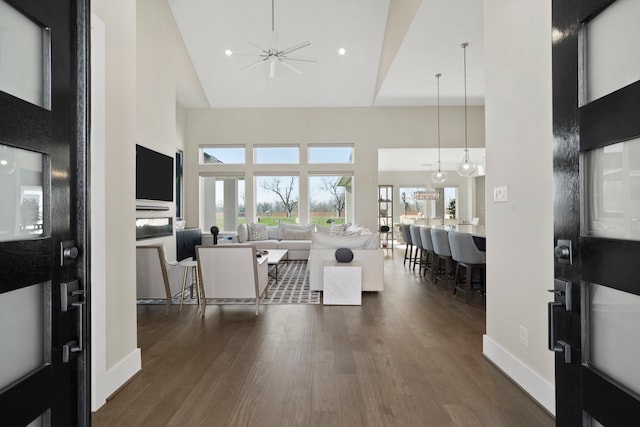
point(414, 45)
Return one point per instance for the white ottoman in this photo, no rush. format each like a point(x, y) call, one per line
point(342, 284)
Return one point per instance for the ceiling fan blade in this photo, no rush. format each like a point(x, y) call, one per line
point(294, 48)
point(272, 69)
point(289, 66)
point(297, 58)
point(255, 45)
point(255, 64)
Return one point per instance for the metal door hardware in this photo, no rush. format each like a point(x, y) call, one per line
point(563, 252)
point(71, 296)
point(562, 291)
point(557, 346)
point(68, 252)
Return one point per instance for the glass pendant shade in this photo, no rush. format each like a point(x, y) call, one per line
point(439, 176)
point(466, 167)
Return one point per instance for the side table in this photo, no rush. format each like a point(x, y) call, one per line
point(342, 283)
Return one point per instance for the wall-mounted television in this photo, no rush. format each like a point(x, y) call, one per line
point(154, 175)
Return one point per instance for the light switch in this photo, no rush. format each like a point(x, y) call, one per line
point(501, 194)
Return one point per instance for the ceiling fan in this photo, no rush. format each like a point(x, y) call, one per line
point(273, 55)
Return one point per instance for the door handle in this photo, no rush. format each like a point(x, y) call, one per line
point(71, 296)
point(74, 346)
point(557, 346)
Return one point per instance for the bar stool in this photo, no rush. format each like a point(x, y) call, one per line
point(406, 235)
point(417, 242)
point(441, 248)
point(468, 256)
point(427, 248)
point(193, 265)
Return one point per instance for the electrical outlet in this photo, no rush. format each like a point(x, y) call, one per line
point(501, 193)
point(524, 336)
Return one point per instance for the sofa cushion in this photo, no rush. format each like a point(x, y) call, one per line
point(366, 241)
point(294, 245)
point(287, 234)
point(322, 229)
point(258, 232)
point(295, 227)
point(356, 230)
point(265, 244)
point(243, 233)
point(273, 231)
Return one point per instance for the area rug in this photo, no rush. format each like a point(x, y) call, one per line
point(292, 287)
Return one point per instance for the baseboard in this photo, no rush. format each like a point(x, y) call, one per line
point(533, 384)
point(119, 375)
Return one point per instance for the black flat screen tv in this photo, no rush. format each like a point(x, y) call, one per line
point(154, 175)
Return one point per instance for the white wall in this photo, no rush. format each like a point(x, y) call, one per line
point(518, 108)
point(146, 70)
point(367, 128)
point(115, 356)
point(165, 77)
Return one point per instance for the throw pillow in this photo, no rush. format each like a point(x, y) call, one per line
point(258, 232)
point(338, 229)
point(295, 227)
point(243, 233)
point(296, 234)
point(344, 255)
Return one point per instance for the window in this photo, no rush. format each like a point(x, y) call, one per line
point(279, 155)
point(179, 184)
point(223, 202)
point(411, 208)
point(276, 199)
point(222, 155)
point(331, 154)
point(330, 199)
point(450, 202)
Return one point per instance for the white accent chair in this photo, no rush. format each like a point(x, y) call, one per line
point(229, 273)
point(155, 276)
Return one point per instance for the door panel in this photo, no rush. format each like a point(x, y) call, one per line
point(595, 209)
point(42, 180)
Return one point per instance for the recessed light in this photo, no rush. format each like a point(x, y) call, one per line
point(342, 51)
point(228, 52)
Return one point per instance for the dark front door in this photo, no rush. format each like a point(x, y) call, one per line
point(43, 287)
point(595, 317)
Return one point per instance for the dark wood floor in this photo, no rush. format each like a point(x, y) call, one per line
point(409, 356)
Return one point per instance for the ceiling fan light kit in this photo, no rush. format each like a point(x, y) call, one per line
point(466, 167)
point(273, 55)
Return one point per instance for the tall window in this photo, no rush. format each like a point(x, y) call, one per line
point(277, 199)
point(450, 202)
point(411, 208)
point(223, 202)
point(179, 184)
point(330, 199)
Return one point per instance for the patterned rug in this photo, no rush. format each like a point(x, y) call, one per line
point(292, 287)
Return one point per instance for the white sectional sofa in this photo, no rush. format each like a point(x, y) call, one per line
point(366, 253)
point(295, 238)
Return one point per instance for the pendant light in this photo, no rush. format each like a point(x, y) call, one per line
point(438, 177)
point(466, 167)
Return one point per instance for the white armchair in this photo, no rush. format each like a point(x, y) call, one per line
point(231, 272)
point(156, 278)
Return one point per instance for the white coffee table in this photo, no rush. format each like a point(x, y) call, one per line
point(275, 257)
